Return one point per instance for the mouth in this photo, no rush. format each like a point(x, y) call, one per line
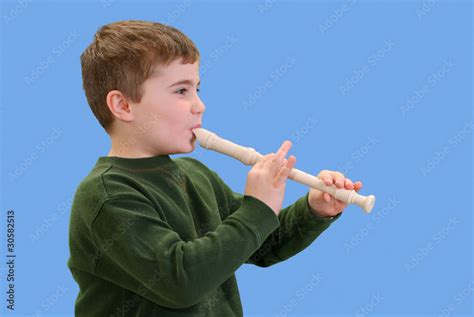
point(196, 126)
point(192, 131)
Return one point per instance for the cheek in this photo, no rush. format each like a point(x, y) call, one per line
point(179, 110)
point(170, 110)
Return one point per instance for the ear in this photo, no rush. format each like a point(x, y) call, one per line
point(119, 106)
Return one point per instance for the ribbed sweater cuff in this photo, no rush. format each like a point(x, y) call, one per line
point(307, 220)
point(258, 216)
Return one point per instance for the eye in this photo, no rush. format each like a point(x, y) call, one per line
point(181, 91)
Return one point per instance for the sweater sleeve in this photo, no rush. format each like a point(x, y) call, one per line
point(298, 228)
point(139, 251)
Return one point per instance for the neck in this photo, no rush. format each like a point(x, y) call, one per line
point(127, 148)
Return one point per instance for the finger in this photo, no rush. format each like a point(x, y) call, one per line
point(348, 184)
point(283, 150)
point(326, 177)
point(285, 170)
point(340, 205)
point(338, 179)
point(357, 186)
point(328, 181)
point(278, 161)
point(327, 197)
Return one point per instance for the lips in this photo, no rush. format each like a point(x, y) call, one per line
point(196, 126)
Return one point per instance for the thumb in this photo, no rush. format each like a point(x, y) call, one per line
point(318, 196)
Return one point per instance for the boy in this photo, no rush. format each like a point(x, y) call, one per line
point(155, 236)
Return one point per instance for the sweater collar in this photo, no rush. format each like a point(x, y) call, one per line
point(137, 163)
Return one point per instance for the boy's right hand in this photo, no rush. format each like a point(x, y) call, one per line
point(267, 178)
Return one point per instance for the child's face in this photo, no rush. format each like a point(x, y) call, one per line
point(170, 107)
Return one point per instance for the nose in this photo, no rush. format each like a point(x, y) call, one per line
point(198, 106)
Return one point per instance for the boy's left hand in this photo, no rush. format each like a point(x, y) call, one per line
point(323, 204)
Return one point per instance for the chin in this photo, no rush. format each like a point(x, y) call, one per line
point(189, 148)
point(193, 147)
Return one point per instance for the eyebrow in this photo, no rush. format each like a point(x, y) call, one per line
point(185, 82)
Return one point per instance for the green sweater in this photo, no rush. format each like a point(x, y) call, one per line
point(163, 237)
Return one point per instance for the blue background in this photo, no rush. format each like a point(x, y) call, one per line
point(381, 91)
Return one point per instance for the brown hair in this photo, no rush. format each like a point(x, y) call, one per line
point(122, 56)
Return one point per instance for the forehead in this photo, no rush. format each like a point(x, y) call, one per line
point(176, 71)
